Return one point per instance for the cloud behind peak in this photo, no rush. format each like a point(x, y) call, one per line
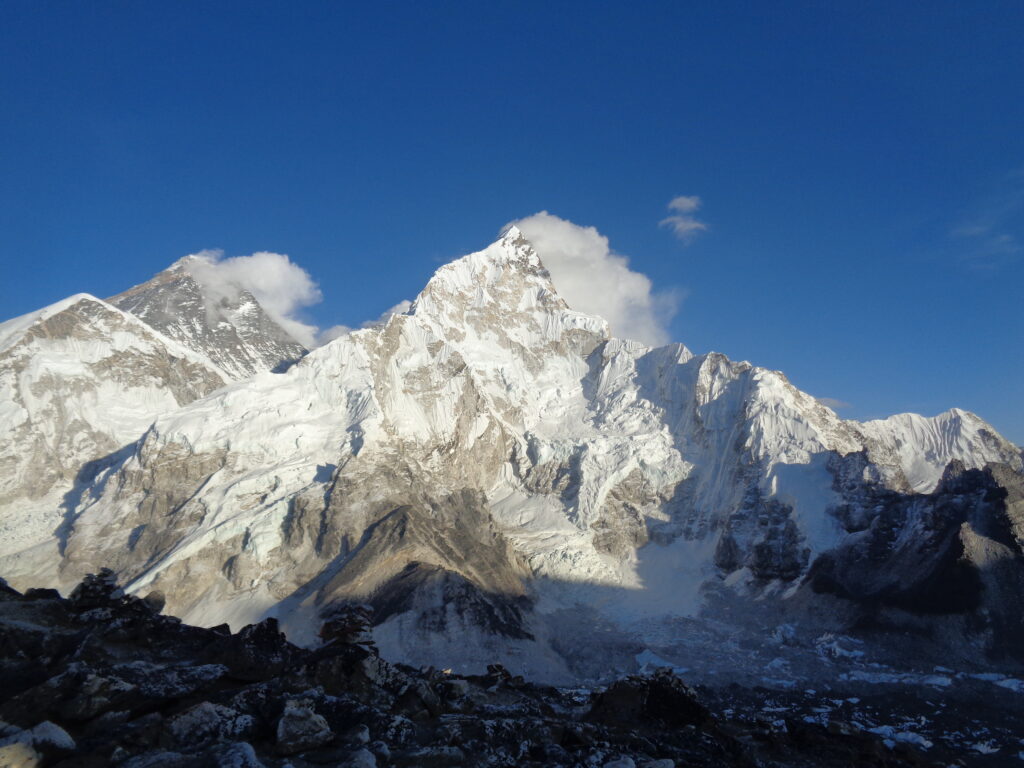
point(594, 279)
point(282, 287)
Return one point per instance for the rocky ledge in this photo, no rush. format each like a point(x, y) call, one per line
point(102, 678)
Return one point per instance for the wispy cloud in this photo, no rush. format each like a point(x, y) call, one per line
point(992, 234)
point(337, 331)
point(683, 223)
point(831, 402)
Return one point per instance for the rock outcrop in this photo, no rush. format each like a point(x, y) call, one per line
point(491, 458)
point(479, 469)
point(229, 328)
point(101, 679)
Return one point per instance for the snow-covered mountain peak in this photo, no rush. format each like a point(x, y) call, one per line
point(501, 295)
point(12, 331)
point(924, 445)
point(510, 253)
point(512, 232)
point(183, 264)
point(79, 380)
point(487, 448)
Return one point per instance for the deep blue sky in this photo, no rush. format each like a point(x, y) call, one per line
point(861, 164)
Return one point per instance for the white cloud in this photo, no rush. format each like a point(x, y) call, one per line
point(334, 332)
point(831, 402)
point(399, 309)
point(682, 222)
point(281, 287)
point(992, 236)
point(337, 331)
point(593, 279)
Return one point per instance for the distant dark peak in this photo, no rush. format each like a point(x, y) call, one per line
point(231, 329)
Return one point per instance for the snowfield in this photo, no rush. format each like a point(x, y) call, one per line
point(487, 468)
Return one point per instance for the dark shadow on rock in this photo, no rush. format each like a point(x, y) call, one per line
point(324, 473)
point(430, 557)
point(927, 562)
point(285, 365)
point(84, 481)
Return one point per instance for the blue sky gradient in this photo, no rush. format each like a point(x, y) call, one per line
point(860, 165)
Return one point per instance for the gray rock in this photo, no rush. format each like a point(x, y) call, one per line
point(238, 754)
point(208, 722)
point(301, 728)
point(431, 757)
point(362, 758)
point(159, 759)
point(19, 755)
point(35, 746)
point(46, 738)
point(359, 735)
point(456, 688)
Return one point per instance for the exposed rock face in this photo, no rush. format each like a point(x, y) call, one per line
point(489, 459)
point(83, 379)
point(234, 332)
point(207, 723)
point(492, 462)
point(104, 681)
point(30, 747)
point(957, 551)
point(662, 699)
point(79, 381)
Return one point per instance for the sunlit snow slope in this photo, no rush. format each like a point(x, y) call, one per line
point(489, 460)
point(79, 380)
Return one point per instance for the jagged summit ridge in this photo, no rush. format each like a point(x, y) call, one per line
point(231, 329)
point(488, 461)
point(493, 407)
point(79, 380)
point(83, 378)
point(925, 446)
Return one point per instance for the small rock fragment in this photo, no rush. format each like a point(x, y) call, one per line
point(358, 735)
point(237, 754)
point(300, 728)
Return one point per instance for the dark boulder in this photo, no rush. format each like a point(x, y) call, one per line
point(257, 652)
point(661, 699)
point(97, 590)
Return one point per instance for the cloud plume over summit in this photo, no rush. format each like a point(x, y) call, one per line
point(587, 273)
point(594, 279)
point(282, 287)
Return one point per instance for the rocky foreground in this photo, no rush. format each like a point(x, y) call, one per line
point(102, 678)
